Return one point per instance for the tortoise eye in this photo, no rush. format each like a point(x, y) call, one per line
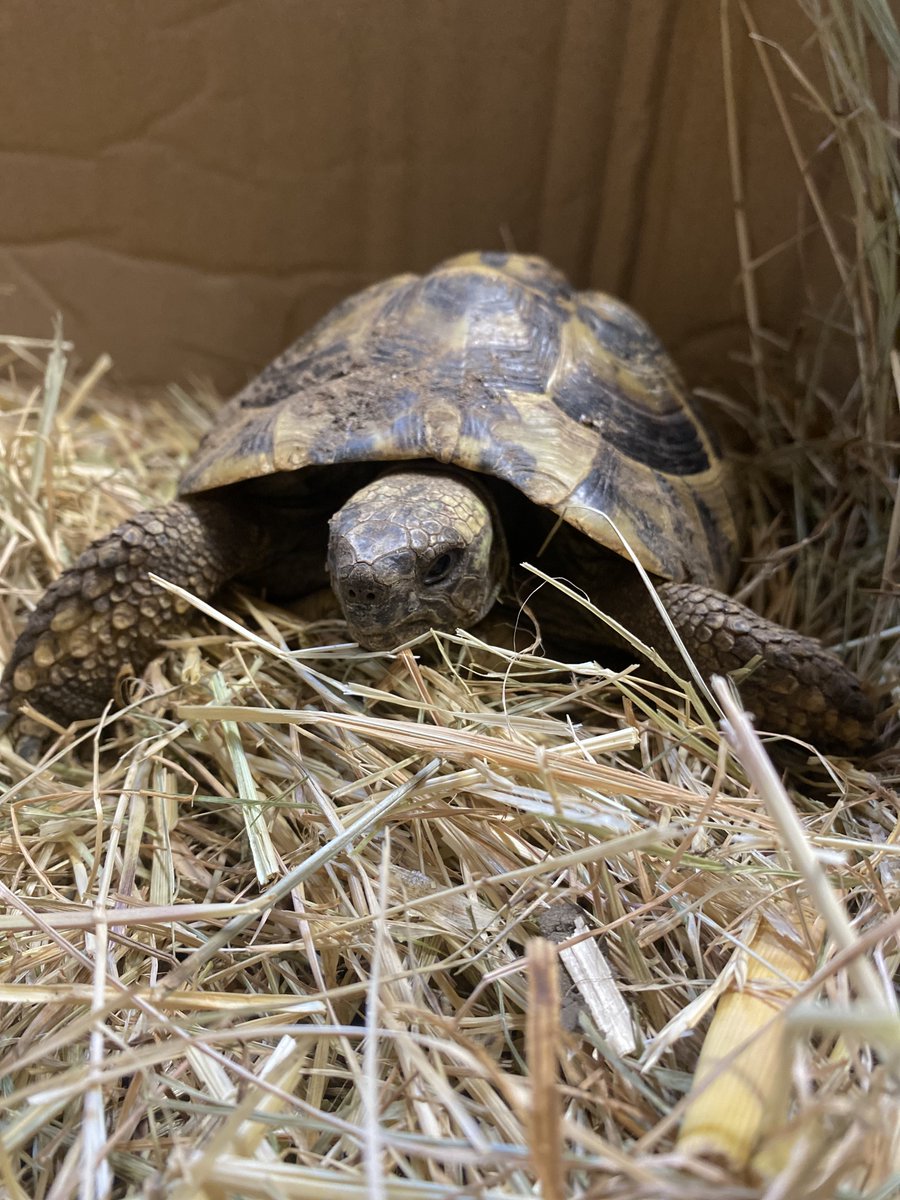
point(441, 567)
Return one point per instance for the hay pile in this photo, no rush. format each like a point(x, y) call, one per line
point(277, 929)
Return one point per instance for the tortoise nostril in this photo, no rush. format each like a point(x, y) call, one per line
point(364, 591)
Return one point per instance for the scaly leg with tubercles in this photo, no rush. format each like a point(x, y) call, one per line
point(104, 618)
point(796, 686)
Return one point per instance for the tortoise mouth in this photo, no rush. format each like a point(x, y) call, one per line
point(379, 638)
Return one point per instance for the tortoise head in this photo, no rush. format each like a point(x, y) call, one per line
point(412, 551)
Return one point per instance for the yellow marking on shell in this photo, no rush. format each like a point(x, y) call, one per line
point(295, 430)
point(673, 514)
point(562, 449)
point(381, 444)
point(530, 271)
point(443, 426)
point(650, 382)
point(229, 466)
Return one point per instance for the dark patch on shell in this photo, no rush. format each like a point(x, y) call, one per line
point(620, 331)
point(721, 549)
point(666, 441)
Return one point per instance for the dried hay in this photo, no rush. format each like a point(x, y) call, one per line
point(275, 931)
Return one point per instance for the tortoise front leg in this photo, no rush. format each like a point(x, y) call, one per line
point(798, 687)
point(104, 618)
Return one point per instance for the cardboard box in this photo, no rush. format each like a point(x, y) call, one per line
point(191, 184)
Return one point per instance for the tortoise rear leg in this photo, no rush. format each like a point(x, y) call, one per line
point(104, 618)
point(798, 687)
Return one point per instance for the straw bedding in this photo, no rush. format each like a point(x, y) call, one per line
point(308, 922)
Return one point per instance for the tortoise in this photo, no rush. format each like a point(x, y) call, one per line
point(428, 432)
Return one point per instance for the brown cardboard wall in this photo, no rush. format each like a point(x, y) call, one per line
point(191, 183)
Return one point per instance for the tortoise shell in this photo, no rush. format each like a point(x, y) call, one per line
point(494, 363)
